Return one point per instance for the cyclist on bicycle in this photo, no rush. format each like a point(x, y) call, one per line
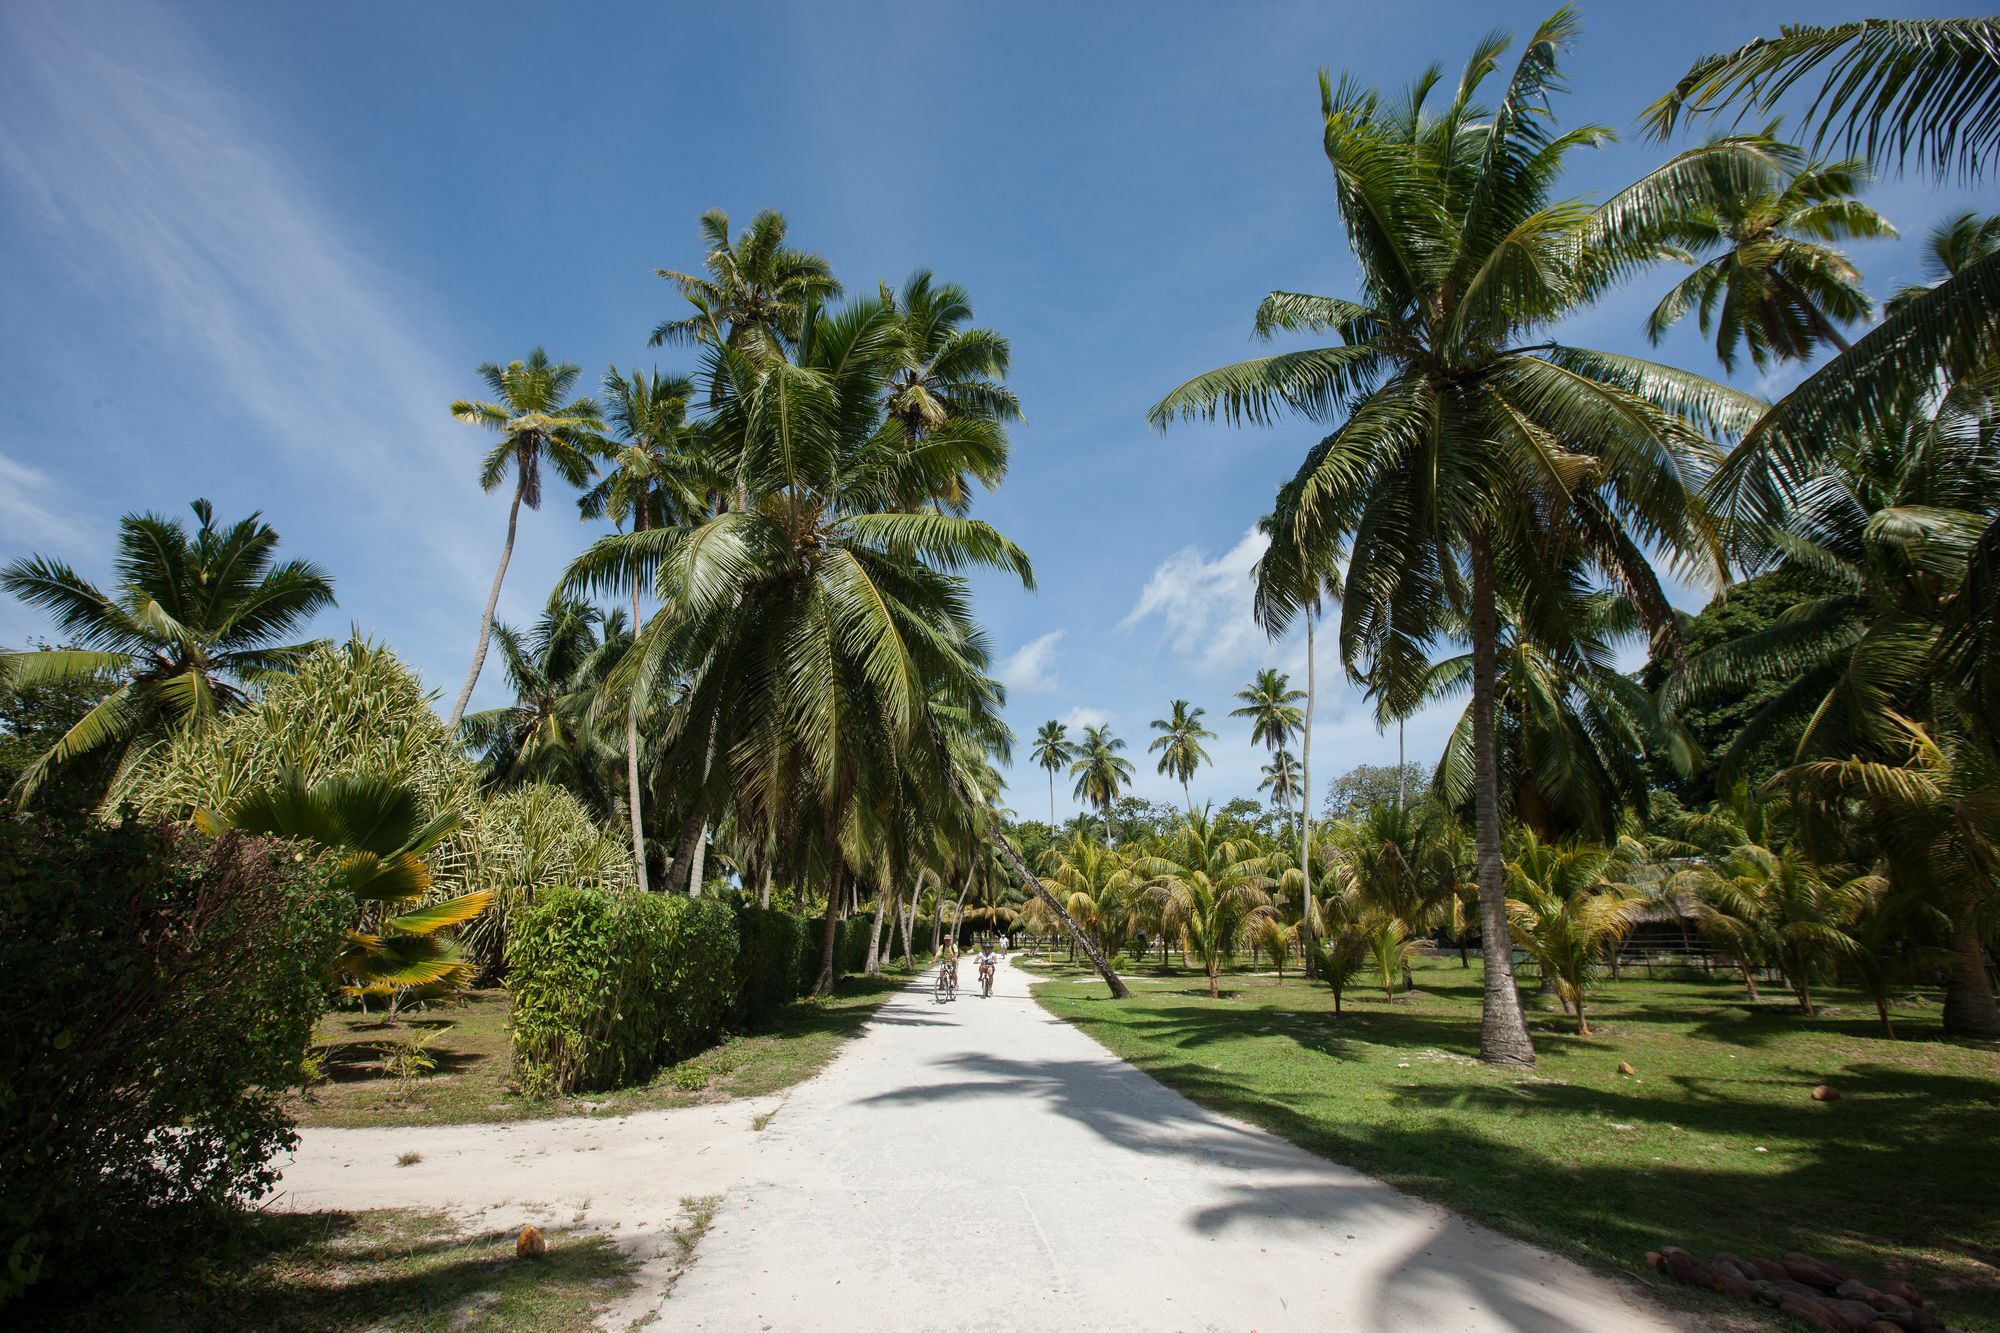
point(948, 967)
point(988, 960)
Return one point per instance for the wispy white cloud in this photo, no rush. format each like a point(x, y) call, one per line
point(1203, 606)
point(1031, 668)
point(32, 505)
point(180, 205)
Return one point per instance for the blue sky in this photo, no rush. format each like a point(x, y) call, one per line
point(251, 253)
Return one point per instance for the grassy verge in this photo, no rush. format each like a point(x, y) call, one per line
point(332, 1272)
point(472, 1077)
point(1714, 1143)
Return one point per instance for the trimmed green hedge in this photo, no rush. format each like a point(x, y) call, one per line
point(607, 987)
point(769, 948)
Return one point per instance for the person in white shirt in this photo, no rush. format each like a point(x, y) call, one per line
point(988, 960)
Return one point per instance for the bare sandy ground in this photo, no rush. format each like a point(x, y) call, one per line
point(875, 1199)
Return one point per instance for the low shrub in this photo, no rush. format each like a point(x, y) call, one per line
point(769, 947)
point(608, 987)
point(160, 990)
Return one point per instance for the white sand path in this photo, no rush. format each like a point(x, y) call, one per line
point(864, 1205)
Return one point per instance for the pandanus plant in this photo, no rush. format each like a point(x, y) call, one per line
point(375, 831)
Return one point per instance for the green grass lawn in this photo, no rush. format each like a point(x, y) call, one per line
point(333, 1272)
point(473, 1078)
point(1716, 1142)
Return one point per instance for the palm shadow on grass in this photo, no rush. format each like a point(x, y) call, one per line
point(1892, 1179)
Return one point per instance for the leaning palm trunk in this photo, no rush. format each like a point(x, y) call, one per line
point(1503, 1030)
point(1969, 1009)
point(1076, 933)
point(486, 620)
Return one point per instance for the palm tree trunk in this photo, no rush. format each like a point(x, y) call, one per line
point(829, 935)
point(1052, 802)
point(632, 756)
point(1035, 886)
point(486, 620)
point(874, 967)
point(1968, 996)
point(1503, 1030)
point(700, 861)
point(764, 889)
point(1402, 762)
point(909, 915)
point(1305, 811)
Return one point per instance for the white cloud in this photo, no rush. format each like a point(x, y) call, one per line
point(31, 507)
point(186, 210)
point(1204, 605)
point(1031, 669)
point(1080, 717)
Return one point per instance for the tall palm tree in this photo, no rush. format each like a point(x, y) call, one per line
point(539, 425)
point(1272, 706)
point(1776, 286)
point(1053, 751)
point(546, 734)
point(193, 621)
point(754, 291)
point(1466, 442)
point(1210, 888)
point(833, 673)
point(657, 475)
point(1281, 780)
point(1101, 773)
point(1179, 744)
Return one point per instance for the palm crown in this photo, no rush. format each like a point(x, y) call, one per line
point(1463, 444)
point(194, 619)
point(754, 289)
point(1179, 743)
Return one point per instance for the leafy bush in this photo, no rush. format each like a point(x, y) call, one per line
point(608, 987)
point(160, 991)
point(526, 840)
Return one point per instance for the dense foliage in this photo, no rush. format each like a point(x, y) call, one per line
point(160, 990)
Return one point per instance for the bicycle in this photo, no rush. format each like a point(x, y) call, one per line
point(985, 983)
point(947, 984)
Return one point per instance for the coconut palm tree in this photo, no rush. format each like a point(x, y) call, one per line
point(1210, 888)
point(1053, 751)
point(1935, 813)
point(1775, 285)
point(193, 621)
point(1895, 90)
point(1272, 706)
point(1281, 780)
point(754, 291)
point(1566, 906)
point(1889, 524)
point(1179, 744)
point(657, 475)
point(546, 733)
point(824, 633)
point(1100, 772)
point(948, 383)
point(1466, 443)
point(1099, 888)
point(539, 426)
point(1780, 906)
